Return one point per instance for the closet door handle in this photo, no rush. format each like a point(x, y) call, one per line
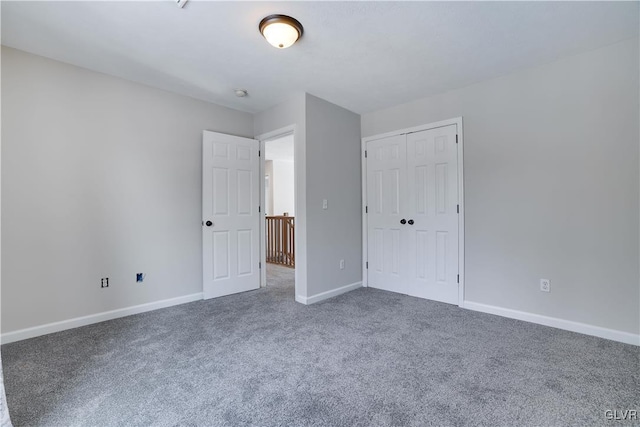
point(403, 221)
point(410, 222)
point(208, 223)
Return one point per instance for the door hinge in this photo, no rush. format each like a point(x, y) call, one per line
point(366, 209)
point(259, 265)
point(456, 138)
point(258, 153)
point(258, 208)
point(202, 222)
point(457, 208)
point(458, 278)
point(365, 154)
point(367, 265)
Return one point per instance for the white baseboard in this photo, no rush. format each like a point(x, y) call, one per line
point(554, 322)
point(328, 294)
point(49, 328)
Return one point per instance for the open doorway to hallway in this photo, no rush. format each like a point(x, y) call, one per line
point(280, 213)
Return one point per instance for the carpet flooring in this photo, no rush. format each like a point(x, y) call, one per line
point(281, 277)
point(365, 358)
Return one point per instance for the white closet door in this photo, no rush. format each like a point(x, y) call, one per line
point(432, 174)
point(386, 196)
point(231, 222)
point(412, 200)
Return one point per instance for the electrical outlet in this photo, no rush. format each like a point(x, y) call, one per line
point(140, 277)
point(104, 282)
point(545, 285)
point(325, 204)
point(341, 264)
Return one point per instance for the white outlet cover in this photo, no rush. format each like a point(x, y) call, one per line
point(545, 285)
point(324, 204)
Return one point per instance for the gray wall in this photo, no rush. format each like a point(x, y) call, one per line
point(327, 166)
point(551, 185)
point(334, 174)
point(292, 113)
point(100, 177)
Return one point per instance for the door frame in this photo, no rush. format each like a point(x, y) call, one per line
point(459, 128)
point(300, 208)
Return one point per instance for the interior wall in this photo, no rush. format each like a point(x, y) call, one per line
point(327, 166)
point(5, 419)
point(101, 177)
point(551, 185)
point(333, 174)
point(283, 188)
point(268, 124)
point(268, 172)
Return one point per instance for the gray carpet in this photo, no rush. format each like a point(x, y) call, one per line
point(366, 358)
point(280, 277)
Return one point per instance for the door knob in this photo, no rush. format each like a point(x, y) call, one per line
point(403, 221)
point(410, 222)
point(209, 223)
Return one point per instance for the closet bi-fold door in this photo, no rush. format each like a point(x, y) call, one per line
point(412, 214)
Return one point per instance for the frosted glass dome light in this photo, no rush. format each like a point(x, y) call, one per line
point(281, 31)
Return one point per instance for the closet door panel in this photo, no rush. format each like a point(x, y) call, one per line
point(432, 239)
point(386, 198)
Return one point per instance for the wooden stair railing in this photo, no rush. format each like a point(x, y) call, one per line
point(280, 240)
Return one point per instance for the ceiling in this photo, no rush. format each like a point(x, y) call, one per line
point(360, 55)
point(279, 149)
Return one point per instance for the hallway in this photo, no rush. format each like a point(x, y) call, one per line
point(280, 277)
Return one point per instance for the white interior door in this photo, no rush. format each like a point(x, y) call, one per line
point(412, 215)
point(432, 217)
point(386, 198)
point(230, 217)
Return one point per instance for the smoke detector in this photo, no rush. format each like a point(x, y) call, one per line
point(241, 93)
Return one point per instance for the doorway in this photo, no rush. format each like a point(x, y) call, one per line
point(279, 213)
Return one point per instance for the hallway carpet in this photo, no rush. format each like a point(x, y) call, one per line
point(280, 277)
point(366, 358)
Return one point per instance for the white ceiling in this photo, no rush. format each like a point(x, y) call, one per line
point(279, 149)
point(360, 55)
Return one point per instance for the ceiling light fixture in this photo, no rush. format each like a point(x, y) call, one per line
point(241, 93)
point(281, 31)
